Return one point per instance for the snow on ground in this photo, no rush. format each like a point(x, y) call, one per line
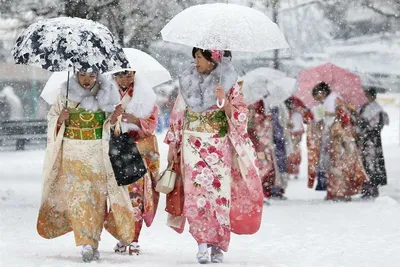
point(303, 231)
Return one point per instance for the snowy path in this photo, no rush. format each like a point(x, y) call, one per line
point(303, 231)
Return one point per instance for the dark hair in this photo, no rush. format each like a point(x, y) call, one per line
point(289, 103)
point(122, 73)
point(207, 53)
point(322, 87)
point(372, 92)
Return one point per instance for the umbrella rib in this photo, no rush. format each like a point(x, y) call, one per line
point(248, 23)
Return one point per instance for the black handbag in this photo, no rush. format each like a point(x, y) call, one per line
point(125, 159)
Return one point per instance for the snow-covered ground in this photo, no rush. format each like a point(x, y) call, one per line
point(303, 231)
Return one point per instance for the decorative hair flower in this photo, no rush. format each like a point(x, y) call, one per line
point(216, 55)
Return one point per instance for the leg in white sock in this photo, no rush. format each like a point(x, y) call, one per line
point(202, 255)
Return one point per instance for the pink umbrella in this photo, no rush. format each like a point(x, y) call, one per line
point(341, 81)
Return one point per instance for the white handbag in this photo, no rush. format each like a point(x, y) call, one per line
point(166, 183)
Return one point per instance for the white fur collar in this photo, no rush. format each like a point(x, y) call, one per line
point(141, 104)
point(143, 99)
point(106, 99)
point(198, 90)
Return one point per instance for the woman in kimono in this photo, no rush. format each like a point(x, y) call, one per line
point(339, 157)
point(139, 119)
point(372, 118)
point(261, 134)
point(222, 188)
point(78, 175)
point(282, 148)
point(296, 108)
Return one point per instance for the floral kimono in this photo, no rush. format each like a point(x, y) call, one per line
point(140, 100)
point(339, 157)
point(78, 176)
point(296, 132)
point(222, 188)
point(260, 132)
point(372, 119)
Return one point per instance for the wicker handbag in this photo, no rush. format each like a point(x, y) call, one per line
point(166, 183)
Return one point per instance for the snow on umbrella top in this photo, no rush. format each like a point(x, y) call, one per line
point(65, 44)
point(224, 27)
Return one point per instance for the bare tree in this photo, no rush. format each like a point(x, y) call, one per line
point(388, 8)
point(134, 23)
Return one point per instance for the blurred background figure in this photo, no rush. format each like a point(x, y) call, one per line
point(10, 105)
point(296, 109)
point(371, 121)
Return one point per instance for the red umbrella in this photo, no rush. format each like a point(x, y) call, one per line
point(341, 81)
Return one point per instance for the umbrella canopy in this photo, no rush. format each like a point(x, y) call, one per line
point(68, 44)
point(266, 83)
point(224, 27)
point(341, 81)
point(53, 86)
point(368, 81)
point(146, 66)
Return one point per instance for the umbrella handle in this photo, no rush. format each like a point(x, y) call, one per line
point(222, 105)
point(66, 100)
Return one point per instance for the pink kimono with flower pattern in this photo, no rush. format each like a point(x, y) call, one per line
point(222, 187)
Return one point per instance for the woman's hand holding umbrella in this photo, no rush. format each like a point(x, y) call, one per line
point(117, 112)
point(221, 100)
point(64, 115)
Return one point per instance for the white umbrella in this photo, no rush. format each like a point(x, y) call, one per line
point(267, 83)
point(53, 86)
point(147, 66)
point(224, 27)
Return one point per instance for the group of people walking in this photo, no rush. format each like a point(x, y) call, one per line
point(229, 155)
point(208, 145)
point(344, 145)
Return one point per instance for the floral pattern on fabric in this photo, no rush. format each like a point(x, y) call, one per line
point(207, 182)
point(214, 166)
point(260, 131)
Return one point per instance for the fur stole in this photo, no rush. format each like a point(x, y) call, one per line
point(106, 99)
point(141, 104)
point(198, 90)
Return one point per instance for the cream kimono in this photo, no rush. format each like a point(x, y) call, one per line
point(78, 177)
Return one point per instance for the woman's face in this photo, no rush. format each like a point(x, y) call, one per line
point(87, 79)
point(125, 79)
point(320, 97)
point(202, 64)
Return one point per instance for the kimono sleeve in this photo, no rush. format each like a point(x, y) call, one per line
point(174, 132)
point(148, 125)
point(238, 108)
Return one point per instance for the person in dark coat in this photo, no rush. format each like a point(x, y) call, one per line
point(372, 118)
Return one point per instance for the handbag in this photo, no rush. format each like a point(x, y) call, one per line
point(126, 160)
point(166, 183)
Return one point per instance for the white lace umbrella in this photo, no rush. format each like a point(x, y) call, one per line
point(147, 66)
point(224, 27)
point(266, 83)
